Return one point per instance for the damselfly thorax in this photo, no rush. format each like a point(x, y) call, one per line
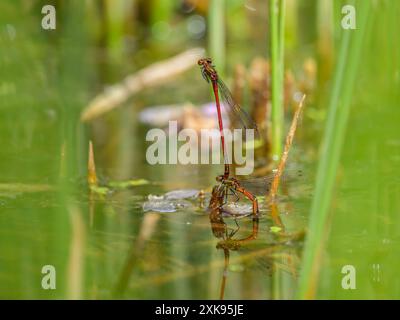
point(208, 69)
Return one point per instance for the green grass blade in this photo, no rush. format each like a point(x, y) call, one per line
point(339, 106)
point(216, 33)
point(277, 17)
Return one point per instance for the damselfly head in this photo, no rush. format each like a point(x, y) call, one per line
point(204, 61)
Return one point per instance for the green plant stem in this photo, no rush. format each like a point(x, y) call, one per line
point(277, 23)
point(216, 33)
point(338, 113)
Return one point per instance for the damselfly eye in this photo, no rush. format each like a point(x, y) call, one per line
point(209, 60)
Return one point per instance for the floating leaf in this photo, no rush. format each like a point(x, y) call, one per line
point(182, 194)
point(99, 190)
point(164, 205)
point(160, 204)
point(275, 229)
point(128, 183)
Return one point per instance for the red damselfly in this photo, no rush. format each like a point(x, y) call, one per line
point(235, 111)
point(250, 187)
point(221, 231)
point(231, 186)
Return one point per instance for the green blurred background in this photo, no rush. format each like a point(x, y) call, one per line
point(104, 245)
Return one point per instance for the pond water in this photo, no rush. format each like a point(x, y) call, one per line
point(104, 245)
point(107, 246)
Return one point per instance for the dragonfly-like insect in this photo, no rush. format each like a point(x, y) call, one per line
point(251, 187)
point(220, 230)
point(264, 259)
point(232, 108)
point(228, 184)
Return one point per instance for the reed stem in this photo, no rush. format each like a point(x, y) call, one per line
point(285, 154)
point(277, 23)
point(216, 33)
point(338, 112)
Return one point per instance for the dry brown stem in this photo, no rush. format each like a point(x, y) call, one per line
point(285, 154)
point(153, 75)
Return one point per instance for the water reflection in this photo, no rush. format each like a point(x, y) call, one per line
point(228, 243)
point(273, 257)
point(168, 254)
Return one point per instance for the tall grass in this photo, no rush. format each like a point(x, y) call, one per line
point(162, 10)
point(216, 33)
point(277, 26)
point(338, 111)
